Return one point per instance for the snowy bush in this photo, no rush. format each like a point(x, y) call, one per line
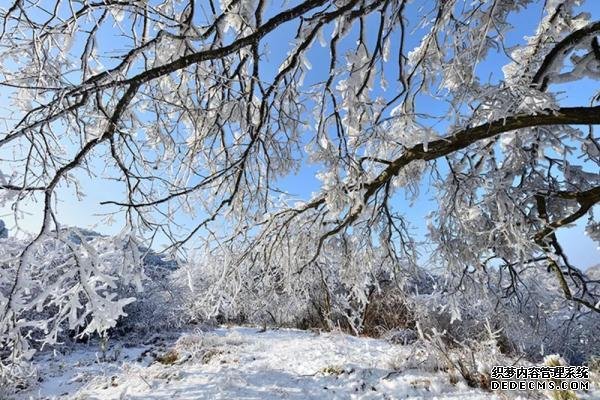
point(358, 293)
point(210, 290)
point(157, 307)
point(532, 321)
point(472, 358)
point(15, 375)
point(60, 285)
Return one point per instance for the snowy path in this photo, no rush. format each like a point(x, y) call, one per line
point(242, 363)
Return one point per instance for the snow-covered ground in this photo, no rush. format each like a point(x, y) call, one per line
point(244, 363)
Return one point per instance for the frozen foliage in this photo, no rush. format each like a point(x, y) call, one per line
point(533, 323)
point(58, 285)
point(353, 290)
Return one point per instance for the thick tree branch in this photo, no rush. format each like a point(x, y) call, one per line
point(464, 138)
point(561, 49)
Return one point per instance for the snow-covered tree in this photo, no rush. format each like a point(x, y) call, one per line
point(200, 107)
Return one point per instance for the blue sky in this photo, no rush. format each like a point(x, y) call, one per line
point(88, 213)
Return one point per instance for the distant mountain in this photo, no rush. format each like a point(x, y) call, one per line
point(150, 257)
